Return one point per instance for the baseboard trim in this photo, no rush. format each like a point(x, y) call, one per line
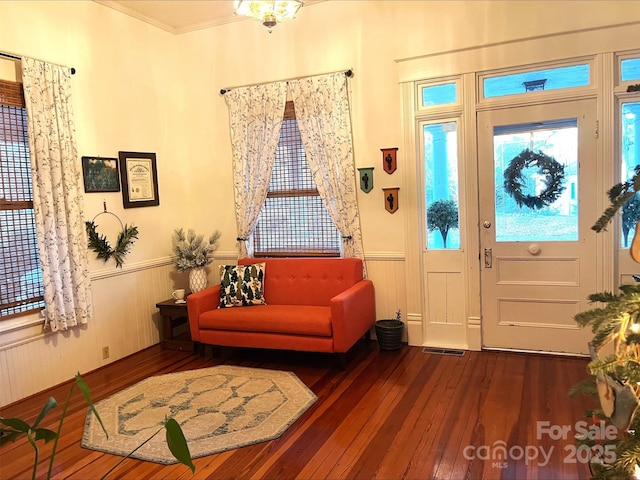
point(541, 352)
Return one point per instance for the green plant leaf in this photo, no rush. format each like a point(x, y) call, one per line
point(51, 403)
point(84, 388)
point(16, 424)
point(178, 444)
point(584, 387)
point(45, 434)
point(9, 436)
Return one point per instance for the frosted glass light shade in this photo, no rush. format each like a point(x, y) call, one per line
point(269, 12)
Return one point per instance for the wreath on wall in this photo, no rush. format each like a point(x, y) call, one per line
point(548, 166)
point(99, 243)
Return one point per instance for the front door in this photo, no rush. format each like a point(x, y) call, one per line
point(537, 186)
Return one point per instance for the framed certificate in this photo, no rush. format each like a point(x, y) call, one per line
point(139, 177)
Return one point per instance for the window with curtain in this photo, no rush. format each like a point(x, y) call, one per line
point(294, 221)
point(21, 289)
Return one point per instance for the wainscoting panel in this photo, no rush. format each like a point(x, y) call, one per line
point(386, 271)
point(445, 297)
point(126, 320)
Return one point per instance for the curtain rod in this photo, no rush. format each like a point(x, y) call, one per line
point(348, 73)
point(16, 57)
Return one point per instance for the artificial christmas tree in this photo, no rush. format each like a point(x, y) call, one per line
point(615, 376)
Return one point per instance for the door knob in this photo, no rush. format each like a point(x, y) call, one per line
point(486, 224)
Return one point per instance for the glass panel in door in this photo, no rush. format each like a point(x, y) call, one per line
point(537, 178)
point(519, 151)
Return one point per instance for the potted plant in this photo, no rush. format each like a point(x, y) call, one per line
point(193, 253)
point(389, 332)
point(615, 363)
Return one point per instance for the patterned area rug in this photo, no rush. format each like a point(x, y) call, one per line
point(219, 408)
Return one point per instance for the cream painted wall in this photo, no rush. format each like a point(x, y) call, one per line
point(142, 89)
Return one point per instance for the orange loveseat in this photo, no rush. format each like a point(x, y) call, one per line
point(312, 304)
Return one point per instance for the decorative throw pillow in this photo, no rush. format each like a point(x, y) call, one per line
point(242, 285)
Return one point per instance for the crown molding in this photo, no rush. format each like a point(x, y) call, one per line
point(214, 22)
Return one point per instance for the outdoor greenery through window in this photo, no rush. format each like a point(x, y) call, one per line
point(630, 156)
point(294, 220)
point(441, 185)
point(21, 289)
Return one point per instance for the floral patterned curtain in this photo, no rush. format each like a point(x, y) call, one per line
point(322, 112)
point(255, 117)
point(57, 195)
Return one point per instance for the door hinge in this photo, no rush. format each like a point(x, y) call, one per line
point(597, 129)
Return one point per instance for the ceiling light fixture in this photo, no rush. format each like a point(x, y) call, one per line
point(269, 12)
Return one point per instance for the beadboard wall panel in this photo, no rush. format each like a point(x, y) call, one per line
point(388, 277)
point(127, 321)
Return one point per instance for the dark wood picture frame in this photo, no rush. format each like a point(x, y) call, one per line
point(100, 174)
point(139, 176)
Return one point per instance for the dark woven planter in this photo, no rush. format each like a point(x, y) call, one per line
point(389, 334)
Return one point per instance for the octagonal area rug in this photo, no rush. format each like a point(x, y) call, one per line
point(219, 408)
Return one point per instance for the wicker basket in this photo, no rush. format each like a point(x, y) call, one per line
point(389, 334)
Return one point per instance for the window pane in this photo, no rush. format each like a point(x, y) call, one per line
point(549, 79)
point(290, 170)
point(557, 221)
point(441, 185)
point(296, 225)
point(630, 69)
point(21, 288)
point(439, 94)
point(630, 153)
point(294, 219)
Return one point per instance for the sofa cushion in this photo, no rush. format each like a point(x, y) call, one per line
point(289, 319)
point(242, 285)
point(306, 281)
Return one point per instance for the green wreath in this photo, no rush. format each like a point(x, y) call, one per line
point(513, 181)
point(99, 244)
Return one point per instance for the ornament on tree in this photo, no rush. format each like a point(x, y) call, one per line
point(618, 401)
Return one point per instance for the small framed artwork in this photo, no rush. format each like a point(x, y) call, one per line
point(100, 174)
point(391, 199)
point(389, 159)
point(139, 179)
point(366, 179)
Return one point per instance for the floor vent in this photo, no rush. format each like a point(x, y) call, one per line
point(443, 351)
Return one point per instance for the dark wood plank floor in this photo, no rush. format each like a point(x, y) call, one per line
point(390, 415)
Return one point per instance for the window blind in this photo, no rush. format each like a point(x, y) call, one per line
point(21, 288)
point(294, 220)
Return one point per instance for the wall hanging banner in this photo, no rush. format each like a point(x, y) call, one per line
point(391, 199)
point(389, 162)
point(366, 179)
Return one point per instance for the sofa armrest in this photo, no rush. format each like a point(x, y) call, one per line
point(198, 303)
point(353, 313)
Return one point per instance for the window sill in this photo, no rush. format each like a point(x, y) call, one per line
point(22, 322)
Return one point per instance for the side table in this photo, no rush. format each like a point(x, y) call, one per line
point(173, 316)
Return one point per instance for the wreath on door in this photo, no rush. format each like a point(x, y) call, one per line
point(548, 166)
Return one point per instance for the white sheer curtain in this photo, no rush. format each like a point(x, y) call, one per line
point(57, 195)
point(322, 113)
point(255, 117)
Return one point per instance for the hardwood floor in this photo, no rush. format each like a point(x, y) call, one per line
point(390, 415)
